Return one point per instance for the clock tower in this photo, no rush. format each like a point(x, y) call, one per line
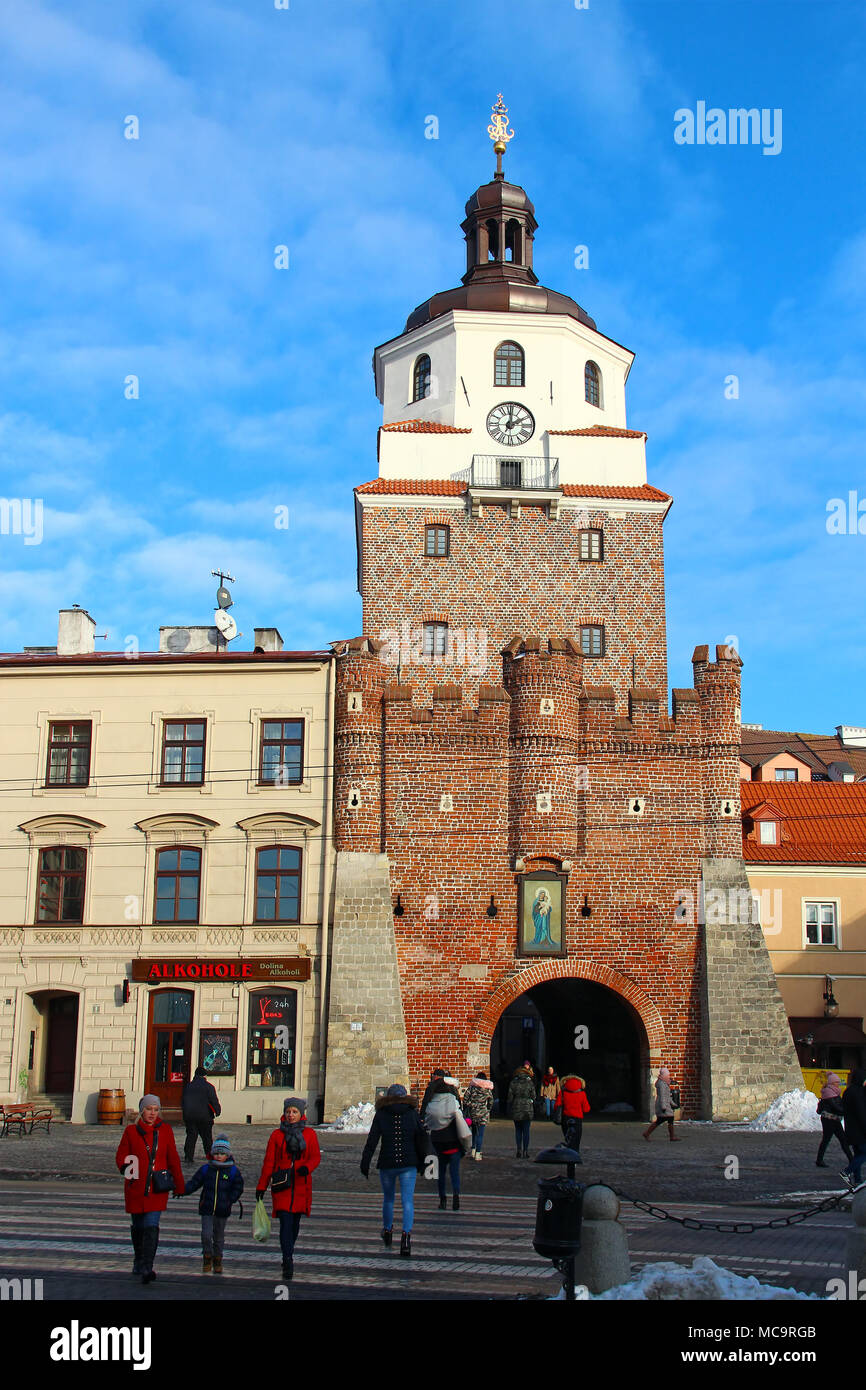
point(526, 839)
point(511, 494)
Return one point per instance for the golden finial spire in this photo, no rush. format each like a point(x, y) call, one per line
point(499, 132)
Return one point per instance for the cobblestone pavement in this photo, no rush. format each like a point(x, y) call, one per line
point(769, 1166)
point(72, 1231)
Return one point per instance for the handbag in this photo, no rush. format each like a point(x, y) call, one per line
point(675, 1097)
point(162, 1180)
point(282, 1177)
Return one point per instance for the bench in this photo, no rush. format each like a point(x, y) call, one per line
point(22, 1116)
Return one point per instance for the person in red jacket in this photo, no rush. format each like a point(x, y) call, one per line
point(147, 1148)
point(292, 1154)
point(572, 1104)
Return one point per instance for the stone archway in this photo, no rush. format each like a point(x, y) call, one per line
point(650, 1032)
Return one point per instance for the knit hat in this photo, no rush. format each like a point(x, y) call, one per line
point(221, 1145)
point(296, 1103)
point(149, 1100)
point(396, 1090)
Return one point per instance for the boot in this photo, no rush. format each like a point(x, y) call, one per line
point(647, 1133)
point(405, 1243)
point(471, 1153)
point(387, 1237)
point(217, 1264)
point(288, 1268)
point(519, 1154)
point(525, 1153)
point(455, 1202)
point(443, 1203)
point(206, 1264)
point(478, 1158)
point(135, 1233)
point(149, 1244)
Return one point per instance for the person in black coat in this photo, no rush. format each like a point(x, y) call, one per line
point(199, 1105)
point(831, 1112)
point(854, 1109)
point(398, 1129)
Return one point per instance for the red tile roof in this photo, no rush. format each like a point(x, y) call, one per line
point(430, 487)
point(423, 427)
point(644, 493)
point(452, 487)
point(822, 822)
point(604, 432)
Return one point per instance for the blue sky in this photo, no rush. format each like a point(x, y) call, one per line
point(305, 127)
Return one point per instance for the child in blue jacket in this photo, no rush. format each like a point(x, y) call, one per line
point(221, 1185)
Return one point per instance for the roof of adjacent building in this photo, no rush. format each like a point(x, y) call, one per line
point(757, 746)
point(453, 487)
point(219, 658)
point(822, 822)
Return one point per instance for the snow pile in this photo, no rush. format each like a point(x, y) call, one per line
point(793, 1110)
point(355, 1119)
point(704, 1281)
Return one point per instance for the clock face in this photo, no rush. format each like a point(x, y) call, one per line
point(510, 423)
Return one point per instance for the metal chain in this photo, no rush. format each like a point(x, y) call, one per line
point(731, 1227)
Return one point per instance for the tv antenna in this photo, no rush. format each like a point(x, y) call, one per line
point(223, 620)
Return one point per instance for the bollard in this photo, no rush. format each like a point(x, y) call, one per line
point(603, 1261)
point(558, 1215)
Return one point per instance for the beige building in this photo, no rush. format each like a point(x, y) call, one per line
point(165, 832)
point(804, 844)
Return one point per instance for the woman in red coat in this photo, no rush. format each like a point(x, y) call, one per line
point(292, 1154)
point(147, 1148)
point(572, 1103)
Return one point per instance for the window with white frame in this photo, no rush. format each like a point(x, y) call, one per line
point(820, 924)
point(767, 832)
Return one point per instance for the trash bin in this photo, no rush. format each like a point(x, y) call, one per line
point(558, 1218)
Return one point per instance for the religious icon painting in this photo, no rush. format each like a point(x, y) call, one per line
point(541, 914)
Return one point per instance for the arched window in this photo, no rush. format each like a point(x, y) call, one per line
point(508, 365)
point(592, 383)
point(421, 378)
point(492, 240)
point(513, 241)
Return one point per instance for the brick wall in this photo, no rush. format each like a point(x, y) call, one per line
point(511, 572)
point(396, 758)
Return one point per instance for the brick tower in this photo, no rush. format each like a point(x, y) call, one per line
point(525, 838)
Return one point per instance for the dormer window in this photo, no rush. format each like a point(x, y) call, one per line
point(592, 384)
point(508, 365)
point(421, 378)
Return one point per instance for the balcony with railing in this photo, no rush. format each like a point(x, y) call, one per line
point(515, 472)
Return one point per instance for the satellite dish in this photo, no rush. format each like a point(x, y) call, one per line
point(226, 624)
point(224, 598)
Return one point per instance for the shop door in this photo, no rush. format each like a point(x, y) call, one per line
point(60, 1047)
point(169, 1045)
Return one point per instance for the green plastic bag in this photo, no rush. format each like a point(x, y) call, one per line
point(261, 1222)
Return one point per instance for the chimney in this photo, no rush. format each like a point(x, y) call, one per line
point(851, 735)
point(267, 639)
point(75, 631)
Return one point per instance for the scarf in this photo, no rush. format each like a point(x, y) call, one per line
point(294, 1137)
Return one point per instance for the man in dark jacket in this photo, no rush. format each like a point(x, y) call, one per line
point(199, 1105)
point(854, 1108)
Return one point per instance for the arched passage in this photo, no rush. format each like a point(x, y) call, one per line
point(578, 1017)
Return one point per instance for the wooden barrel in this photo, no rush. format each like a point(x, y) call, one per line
point(111, 1107)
